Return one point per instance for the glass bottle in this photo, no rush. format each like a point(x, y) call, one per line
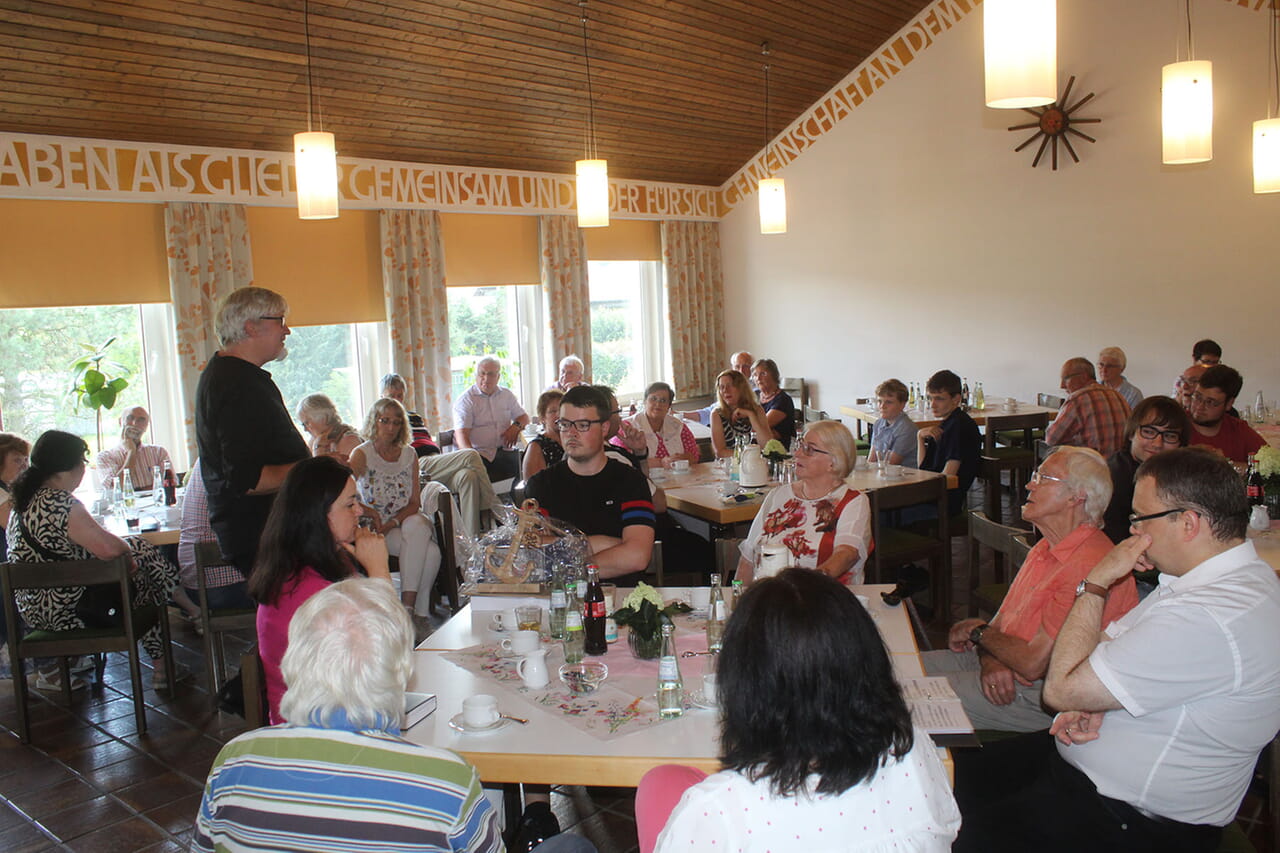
point(1259, 408)
point(964, 394)
point(170, 484)
point(737, 588)
point(670, 685)
point(157, 480)
point(911, 398)
point(1253, 483)
point(559, 609)
point(593, 614)
point(716, 615)
point(573, 639)
point(979, 399)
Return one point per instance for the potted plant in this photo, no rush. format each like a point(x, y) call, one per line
point(92, 386)
point(643, 613)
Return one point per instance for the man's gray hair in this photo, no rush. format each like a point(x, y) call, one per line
point(241, 306)
point(392, 380)
point(572, 359)
point(1080, 364)
point(489, 359)
point(1116, 353)
point(350, 650)
point(1087, 472)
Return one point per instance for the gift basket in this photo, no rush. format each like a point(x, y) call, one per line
point(523, 554)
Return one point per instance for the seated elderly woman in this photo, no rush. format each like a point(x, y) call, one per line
point(998, 668)
point(312, 539)
point(48, 524)
point(386, 472)
point(339, 776)
point(666, 437)
point(545, 449)
point(1155, 425)
point(779, 408)
point(816, 742)
point(737, 415)
point(821, 522)
point(572, 373)
point(329, 435)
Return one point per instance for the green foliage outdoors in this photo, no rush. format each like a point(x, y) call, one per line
point(612, 335)
point(94, 388)
point(321, 360)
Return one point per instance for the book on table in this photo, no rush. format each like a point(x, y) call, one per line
point(417, 707)
point(934, 705)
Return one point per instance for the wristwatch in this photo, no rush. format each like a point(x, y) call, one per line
point(975, 636)
point(1085, 586)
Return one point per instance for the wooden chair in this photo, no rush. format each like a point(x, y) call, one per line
point(727, 556)
point(254, 686)
point(217, 623)
point(812, 415)
point(1019, 460)
point(897, 545)
point(78, 641)
point(449, 576)
point(1050, 401)
point(983, 532)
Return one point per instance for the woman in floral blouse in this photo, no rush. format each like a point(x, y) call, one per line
point(823, 524)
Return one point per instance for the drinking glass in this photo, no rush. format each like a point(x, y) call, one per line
point(529, 617)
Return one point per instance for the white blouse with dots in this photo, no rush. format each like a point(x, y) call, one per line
point(908, 806)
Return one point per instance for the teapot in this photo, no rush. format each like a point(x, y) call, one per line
point(753, 468)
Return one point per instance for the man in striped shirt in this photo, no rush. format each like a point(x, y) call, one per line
point(131, 454)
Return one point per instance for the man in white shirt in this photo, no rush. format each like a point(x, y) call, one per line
point(131, 454)
point(488, 419)
point(1165, 711)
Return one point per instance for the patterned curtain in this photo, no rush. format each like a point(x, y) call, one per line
point(418, 310)
point(695, 295)
point(209, 256)
point(564, 280)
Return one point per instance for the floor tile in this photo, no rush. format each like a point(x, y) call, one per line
point(176, 816)
point(100, 755)
point(165, 788)
point(26, 838)
point(54, 798)
point(84, 818)
point(43, 775)
point(124, 837)
point(122, 774)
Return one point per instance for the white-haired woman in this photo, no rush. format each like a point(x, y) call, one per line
point(329, 435)
point(386, 471)
point(572, 373)
point(822, 523)
point(666, 437)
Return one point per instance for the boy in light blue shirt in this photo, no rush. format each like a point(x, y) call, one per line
point(893, 437)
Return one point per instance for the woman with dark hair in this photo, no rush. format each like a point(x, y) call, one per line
point(312, 539)
point(48, 524)
point(545, 450)
point(1155, 425)
point(666, 437)
point(816, 741)
point(779, 408)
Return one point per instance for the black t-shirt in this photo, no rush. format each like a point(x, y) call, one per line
point(241, 426)
point(602, 504)
point(1123, 467)
point(786, 428)
point(960, 440)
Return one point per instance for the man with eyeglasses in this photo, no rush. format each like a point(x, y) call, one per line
point(1163, 713)
point(488, 418)
point(246, 438)
point(1092, 416)
point(998, 668)
point(604, 498)
point(1188, 382)
point(1212, 423)
point(1111, 364)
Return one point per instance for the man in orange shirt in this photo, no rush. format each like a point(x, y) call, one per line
point(998, 668)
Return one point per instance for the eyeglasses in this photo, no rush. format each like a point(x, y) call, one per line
point(1168, 436)
point(1208, 403)
point(386, 421)
point(1039, 477)
point(1103, 365)
point(279, 318)
point(577, 426)
point(804, 448)
point(1134, 518)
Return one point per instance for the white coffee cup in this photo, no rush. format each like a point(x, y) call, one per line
point(521, 642)
point(505, 620)
point(532, 669)
point(680, 466)
point(480, 710)
point(699, 597)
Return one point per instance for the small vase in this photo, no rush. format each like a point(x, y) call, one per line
point(645, 648)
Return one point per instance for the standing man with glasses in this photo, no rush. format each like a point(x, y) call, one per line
point(1092, 416)
point(998, 668)
point(1163, 713)
point(246, 438)
point(1212, 423)
point(605, 499)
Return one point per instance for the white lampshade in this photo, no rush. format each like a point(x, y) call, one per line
point(1186, 113)
point(1266, 156)
point(315, 164)
point(773, 206)
point(1020, 50)
point(593, 193)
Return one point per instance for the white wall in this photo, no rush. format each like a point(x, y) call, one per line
point(919, 240)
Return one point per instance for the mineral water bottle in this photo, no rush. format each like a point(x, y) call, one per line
point(127, 493)
point(559, 609)
point(670, 686)
point(979, 399)
point(573, 639)
point(716, 615)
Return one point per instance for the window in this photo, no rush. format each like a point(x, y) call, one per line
point(326, 360)
point(629, 346)
point(500, 321)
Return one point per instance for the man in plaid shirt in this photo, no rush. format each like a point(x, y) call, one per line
point(1093, 415)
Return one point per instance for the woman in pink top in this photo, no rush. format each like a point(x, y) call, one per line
point(312, 539)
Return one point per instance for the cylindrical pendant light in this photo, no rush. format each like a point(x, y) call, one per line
point(773, 206)
point(315, 165)
point(1266, 156)
point(1020, 52)
point(593, 193)
point(1186, 114)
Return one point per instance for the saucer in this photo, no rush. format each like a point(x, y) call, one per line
point(458, 723)
point(700, 701)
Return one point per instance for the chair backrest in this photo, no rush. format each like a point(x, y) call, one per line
point(1020, 547)
point(993, 534)
point(69, 573)
point(908, 494)
point(1005, 423)
point(812, 416)
point(797, 390)
point(1050, 401)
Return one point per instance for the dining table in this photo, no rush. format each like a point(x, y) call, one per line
point(610, 737)
point(157, 523)
point(867, 413)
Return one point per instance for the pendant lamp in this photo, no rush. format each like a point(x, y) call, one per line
point(1266, 133)
point(315, 158)
point(772, 191)
point(1020, 52)
point(1186, 107)
point(592, 190)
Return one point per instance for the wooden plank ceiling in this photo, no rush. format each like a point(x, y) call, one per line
point(491, 83)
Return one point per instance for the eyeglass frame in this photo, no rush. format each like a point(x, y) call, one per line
point(1163, 434)
point(279, 318)
point(577, 425)
point(1038, 477)
point(1197, 397)
point(385, 421)
point(1134, 518)
point(808, 449)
